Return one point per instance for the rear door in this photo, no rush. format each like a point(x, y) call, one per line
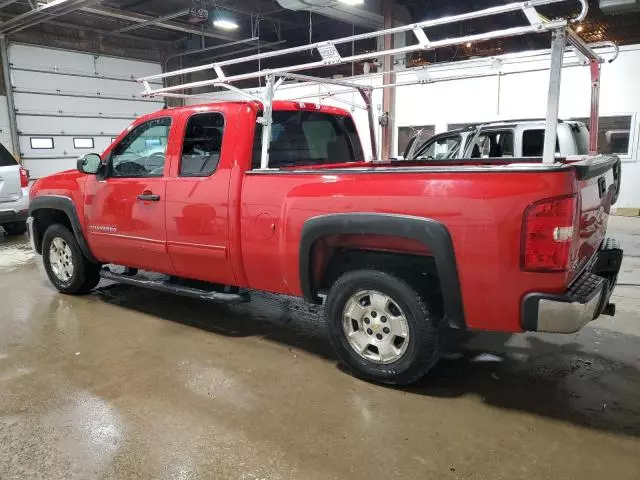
point(10, 189)
point(198, 197)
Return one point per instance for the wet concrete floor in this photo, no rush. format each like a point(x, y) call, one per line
point(127, 383)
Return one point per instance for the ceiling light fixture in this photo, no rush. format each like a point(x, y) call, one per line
point(224, 20)
point(352, 2)
point(225, 24)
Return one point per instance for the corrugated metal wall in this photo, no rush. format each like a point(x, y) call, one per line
point(67, 101)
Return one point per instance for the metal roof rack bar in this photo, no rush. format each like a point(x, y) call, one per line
point(562, 36)
point(330, 55)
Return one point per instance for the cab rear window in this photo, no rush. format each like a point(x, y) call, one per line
point(6, 159)
point(301, 138)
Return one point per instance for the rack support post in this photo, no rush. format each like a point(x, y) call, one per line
point(558, 44)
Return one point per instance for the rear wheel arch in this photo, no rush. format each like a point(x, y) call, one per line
point(51, 209)
point(433, 235)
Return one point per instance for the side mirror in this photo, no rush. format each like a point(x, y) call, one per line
point(89, 163)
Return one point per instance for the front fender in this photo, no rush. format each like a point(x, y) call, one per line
point(61, 204)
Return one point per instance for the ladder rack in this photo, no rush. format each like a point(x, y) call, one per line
point(562, 35)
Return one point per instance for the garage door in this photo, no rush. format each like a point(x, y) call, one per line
point(69, 103)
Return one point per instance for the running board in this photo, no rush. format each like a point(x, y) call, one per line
point(162, 286)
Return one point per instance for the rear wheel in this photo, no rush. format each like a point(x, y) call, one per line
point(15, 228)
point(381, 327)
point(66, 266)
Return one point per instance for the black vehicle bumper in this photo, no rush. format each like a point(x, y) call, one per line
point(587, 298)
point(9, 216)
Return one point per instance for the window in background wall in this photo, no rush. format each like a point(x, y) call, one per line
point(86, 142)
point(406, 134)
point(41, 143)
point(614, 134)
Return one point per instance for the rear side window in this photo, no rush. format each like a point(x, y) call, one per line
point(6, 159)
point(202, 145)
point(301, 138)
point(533, 143)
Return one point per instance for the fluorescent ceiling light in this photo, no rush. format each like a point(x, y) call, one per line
point(225, 24)
point(352, 2)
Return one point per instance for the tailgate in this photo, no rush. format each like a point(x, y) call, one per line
point(599, 183)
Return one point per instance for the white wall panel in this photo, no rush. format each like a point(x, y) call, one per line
point(65, 94)
point(69, 126)
point(54, 82)
point(39, 103)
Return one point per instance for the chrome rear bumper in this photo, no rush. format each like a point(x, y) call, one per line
point(587, 298)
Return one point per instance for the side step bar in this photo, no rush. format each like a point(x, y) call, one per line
point(162, 286)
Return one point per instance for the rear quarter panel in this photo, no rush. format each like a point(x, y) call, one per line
point(482, 211)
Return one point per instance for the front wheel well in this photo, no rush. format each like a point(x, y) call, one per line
point(43, 219)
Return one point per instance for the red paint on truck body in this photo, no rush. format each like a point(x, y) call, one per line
point(243, 227)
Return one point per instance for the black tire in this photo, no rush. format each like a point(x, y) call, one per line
point(15, 228)
point(86, 275)
point(423, 349)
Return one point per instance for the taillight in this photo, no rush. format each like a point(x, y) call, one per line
point(24, 177)
point(548, 234)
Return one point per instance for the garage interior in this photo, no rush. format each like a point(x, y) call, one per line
point(129, 383)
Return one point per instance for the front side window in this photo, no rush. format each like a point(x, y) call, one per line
point(202, 145)
point(142, 152)
point(301, 138)
point(445, 148)
point(495, 144)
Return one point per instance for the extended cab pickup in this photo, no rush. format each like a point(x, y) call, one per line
point(401, 250)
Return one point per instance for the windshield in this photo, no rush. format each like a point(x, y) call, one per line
point(445, 148)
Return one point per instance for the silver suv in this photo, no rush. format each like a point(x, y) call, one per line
point(509, 139)
point(14, 194)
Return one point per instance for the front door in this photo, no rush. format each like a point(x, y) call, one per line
point(125, 212)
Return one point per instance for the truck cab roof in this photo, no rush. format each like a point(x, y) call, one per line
point(278, 105)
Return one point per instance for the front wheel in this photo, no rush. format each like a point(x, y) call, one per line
point(381, 327)
point(66, 266)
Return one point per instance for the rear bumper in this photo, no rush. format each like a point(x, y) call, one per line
point(587, 298)
point(17, 210)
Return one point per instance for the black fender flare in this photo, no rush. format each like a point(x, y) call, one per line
point(431, 233)
point(65, 205)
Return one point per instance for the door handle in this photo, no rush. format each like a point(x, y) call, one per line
point(147, 196)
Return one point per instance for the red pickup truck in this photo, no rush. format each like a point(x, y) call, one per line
point(397, 251)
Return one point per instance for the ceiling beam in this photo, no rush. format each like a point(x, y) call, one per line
point(155, 22)
point(41, 14)
point(6, 3)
